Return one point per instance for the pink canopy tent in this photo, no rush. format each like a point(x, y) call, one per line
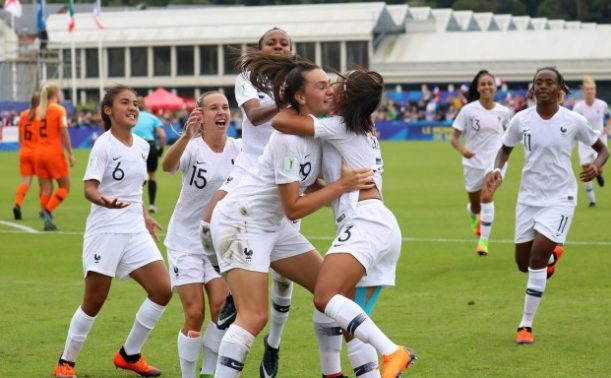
point(161, 99)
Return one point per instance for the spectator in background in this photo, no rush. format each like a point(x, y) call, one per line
point(150, 128)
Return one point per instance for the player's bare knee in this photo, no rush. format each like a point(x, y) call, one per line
point(321, 299)
point(256, 319)
point(194, 318)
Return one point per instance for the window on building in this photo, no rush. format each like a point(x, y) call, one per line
point(208, 60)
point(139, 61)
point(330, 56)
point(306, 50)
point(116, 62)
point(91, 63)
point(67, 63)
point(162, 62)
point(231, 53)
point(357, 54)
point(185, 61)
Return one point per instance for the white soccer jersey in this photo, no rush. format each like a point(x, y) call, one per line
point(286, 159)
point(483, 130)
point(595, 114)
point(547, 176)
point(121, 171)
point(203, 172)
point(358, 150)
point(255, 137)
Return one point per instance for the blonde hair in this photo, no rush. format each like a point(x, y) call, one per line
point(49, 91)
point(34, 101)
point(588, 80)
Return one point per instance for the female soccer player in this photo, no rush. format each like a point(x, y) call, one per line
point(595, 111)
point(27, 151)
point(250, 230)
point(482, 121)
point(548, 190)
point(368, 242)
point(205, 155)
point(118, 236)
point(50, 160)
point(257, 110)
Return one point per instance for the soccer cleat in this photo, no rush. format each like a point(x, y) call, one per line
point(475, 225)
point(17, 212)
point(525, 336)
point(47, 218)
point(557, 253)
point(140, 366)
point(227, 314)
point(41, 214)
point(152, 209)
point(592, 204)
point(64, 369)
point(600, 180)
point(482, 247)
point(394, 364)
point(269, 363)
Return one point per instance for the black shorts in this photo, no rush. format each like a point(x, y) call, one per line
point(153, 159)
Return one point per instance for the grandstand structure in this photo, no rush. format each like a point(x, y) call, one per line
point(192, 49)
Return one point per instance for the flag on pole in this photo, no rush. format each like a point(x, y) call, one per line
point(97, 9)
point(70, 14)
point(13, 7)
point(41, 24)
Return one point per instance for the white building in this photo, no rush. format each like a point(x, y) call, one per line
point(192, 49)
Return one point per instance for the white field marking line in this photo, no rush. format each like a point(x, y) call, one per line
point(328, 238)
point(21, 227)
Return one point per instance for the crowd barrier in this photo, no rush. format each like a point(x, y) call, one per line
point(84, 137)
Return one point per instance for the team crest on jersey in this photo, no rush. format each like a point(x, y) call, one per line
point(563, 130)
point(248, 254)
point(143, 156)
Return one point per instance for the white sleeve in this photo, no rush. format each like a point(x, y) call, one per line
point(459, 122)
point(185, 158)
point(98, 160)
point(285, 159)
point(513, 134)
point(244, 90)
point(585, 131)
point(329, 128)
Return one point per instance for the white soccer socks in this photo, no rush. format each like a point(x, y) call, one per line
point(233, 351)
point(212, 341)
point(351, 317)
point(363, 359)
point(329, 336)
point(537, 279)
point(80, 325)
point(147, 316)
point(189, 347)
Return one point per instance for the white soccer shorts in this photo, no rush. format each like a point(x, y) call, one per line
point(553, 222)
point(114, 254)
point(372, 235)
point(189, 268)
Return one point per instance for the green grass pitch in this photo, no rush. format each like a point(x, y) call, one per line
point(458, 311)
